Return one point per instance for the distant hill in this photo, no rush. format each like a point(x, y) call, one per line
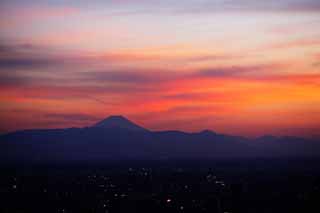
point(117, 138)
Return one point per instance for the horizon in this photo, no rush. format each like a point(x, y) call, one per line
point(122, 118)
point(235, 67)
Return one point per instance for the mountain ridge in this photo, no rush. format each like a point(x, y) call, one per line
point(116, 137)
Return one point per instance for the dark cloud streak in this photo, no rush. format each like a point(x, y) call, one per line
point(71, 117)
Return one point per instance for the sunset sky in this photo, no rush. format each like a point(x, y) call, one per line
point(243, 67)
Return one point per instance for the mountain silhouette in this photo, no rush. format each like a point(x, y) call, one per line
point(118, 121)
point(117, 138)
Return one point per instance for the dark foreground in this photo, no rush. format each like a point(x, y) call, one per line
point(164, 186)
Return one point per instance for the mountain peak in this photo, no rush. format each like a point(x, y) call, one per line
point(119, 121)
point(207, 131)
point(116, 117)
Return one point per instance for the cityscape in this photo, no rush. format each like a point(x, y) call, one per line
point(226, 187)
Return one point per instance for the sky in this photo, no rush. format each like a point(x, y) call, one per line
point(241, 67)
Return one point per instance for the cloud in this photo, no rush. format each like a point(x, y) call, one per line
point(305, 42)
point(130, 76)
point(25, 55)
point(297, 26)
point(217, 5)
point(316, 64)
point(120, 76)
point(51, 8)
point(27, 64)
point(17, 10)
point(71, 117)
point(187, 96)
point(17, 55)
point(236, 71)
point(145, 55)
point(254, 6)
point(316, 61)
point(8, 48)
point(8, 63)
point(22, 56)
point(151, 77)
